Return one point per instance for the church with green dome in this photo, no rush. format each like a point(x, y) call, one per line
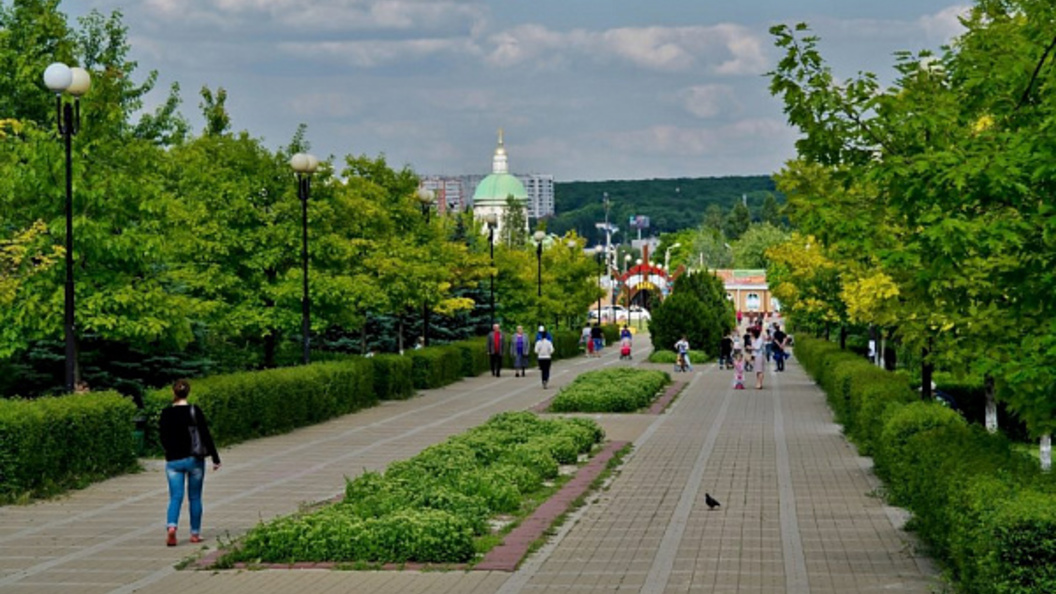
point(494, 190)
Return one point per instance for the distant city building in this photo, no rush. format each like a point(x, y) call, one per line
point(540, 188)
point(449, 192)
point(748, 290)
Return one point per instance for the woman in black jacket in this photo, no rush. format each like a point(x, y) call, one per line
point(181, 464)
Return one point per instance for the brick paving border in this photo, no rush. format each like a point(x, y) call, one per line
point(503, 557)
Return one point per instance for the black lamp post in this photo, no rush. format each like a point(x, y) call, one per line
point(492, 220)
point(425, 198)
point(60, 78)
point(303, 166)
point(597, 256)
point(539, 236)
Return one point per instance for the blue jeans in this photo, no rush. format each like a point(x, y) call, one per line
point(193, 470)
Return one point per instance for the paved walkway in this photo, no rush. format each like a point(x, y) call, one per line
point(795, 516)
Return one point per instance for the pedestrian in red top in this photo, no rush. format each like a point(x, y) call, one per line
point(496, 348)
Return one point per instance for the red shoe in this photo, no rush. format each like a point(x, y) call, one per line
point(170, 540)
point(195, 539)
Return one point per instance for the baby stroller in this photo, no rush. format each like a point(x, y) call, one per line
point(625, 349)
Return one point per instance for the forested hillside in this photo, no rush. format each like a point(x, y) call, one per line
point(670, 204)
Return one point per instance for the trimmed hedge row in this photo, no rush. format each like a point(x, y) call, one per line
point(670, 357)
point(983, 508)
point(52, 444)
point(48, 445)
point(247, 405)
point(434, 507)
point(616, 390)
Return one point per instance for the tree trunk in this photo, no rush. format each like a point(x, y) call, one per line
point(1046, 452)
point(925, 375)
point(399, 334)
point(827, 334)
point(991, 404)
point(843, 337)
point(363, 338)
point(270, 346)
point(890, 354)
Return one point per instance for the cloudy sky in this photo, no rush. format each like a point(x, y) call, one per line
point(585, 89)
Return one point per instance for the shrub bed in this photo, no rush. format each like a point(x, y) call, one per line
point(670, 357)
point(434, 507)
point(983, 508)
point(619, 389)
point(51, 444)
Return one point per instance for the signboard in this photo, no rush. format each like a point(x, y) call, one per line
point(639, 222)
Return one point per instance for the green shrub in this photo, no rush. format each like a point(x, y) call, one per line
point(392, 377)
point(51, 444)
point(618, 389)
point(474, 355)
point(247, 405)
point(982, 507)
point(429, 508)
point(670, 357)
point(435, 367)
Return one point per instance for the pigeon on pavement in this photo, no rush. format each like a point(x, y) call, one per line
point(711, 501)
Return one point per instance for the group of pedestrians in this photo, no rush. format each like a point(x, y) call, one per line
point(753, 351)
point(520, 347)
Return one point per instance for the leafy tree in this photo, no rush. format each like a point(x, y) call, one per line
point(697, 309)
point(514, 224)
point(951, 193)
point(750, 250)
point(737, 221)
point(33, 34)
point(771, 212)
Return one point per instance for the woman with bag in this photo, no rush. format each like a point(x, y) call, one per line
point(185, 436)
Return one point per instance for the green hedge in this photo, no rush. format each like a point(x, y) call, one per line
point(695, 357)
point(247, 405)
point(983, 509)
point(619, 389)
point(51, 444)
point(392, 377)
point(435, 367)
point(433, 508)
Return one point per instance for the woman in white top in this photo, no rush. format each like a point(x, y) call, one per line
point(544, 350)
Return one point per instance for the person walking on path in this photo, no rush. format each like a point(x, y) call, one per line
point(726, 352)
point(598, 338)
point(182, 466)
point(544, 350)
point(520, 349)
point(780, 342)
point(496, 349)
point(760, 356)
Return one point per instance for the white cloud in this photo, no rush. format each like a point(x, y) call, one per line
point(680, 141)
point(333, 15)
point(722, 49)
point(945, 24)
point(708, 101)
point(375, 53)
point(332, 105)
